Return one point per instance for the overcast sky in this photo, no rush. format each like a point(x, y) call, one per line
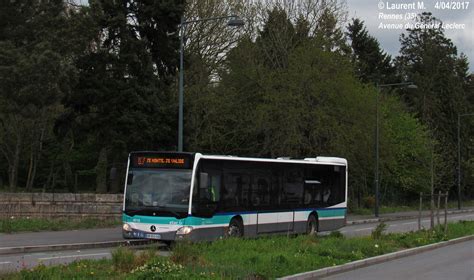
point(369, 11)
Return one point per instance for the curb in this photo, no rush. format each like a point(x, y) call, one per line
point(396, 218)
point(73, 246)
point(315, 274)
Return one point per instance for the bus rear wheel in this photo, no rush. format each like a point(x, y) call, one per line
point(236, 228)
point(312, 225)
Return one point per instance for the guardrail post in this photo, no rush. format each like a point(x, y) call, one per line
point(437, 209)
point(419, 212)
point(432, 210)
point(446, 213)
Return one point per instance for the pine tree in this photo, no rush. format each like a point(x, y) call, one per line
point(371, 63)
point(430, 60)
point(123, 100)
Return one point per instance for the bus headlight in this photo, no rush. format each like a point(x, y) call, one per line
point(126, 227)
point(184, 230)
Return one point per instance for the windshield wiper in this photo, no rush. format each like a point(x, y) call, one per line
point(148, 209)
point(133, 212)
point(176, 214)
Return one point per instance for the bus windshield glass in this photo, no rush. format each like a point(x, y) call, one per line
point(158, 192)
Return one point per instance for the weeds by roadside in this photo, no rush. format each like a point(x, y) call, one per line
point(262, 258)
point(378, 232)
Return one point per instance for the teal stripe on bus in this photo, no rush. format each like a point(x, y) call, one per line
point(222, 218)
point(189, 221)
point(327, 213)
point(153, 220)
point(195, 221)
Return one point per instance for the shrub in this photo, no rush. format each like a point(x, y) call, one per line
point(123, 259)
point(377, 233)
point(186, 253)
point(336, 234)
point(6, 225)
point(368, 202)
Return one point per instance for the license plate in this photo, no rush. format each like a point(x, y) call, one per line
point(153, 236)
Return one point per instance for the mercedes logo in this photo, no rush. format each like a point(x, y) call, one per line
point(153, 228)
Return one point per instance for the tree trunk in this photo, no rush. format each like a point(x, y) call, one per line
point(30, 171)
point(13, 168)
point(34, 159)
point(114, 180)
point(50, 176)
point(68, 176)
point(101, 172)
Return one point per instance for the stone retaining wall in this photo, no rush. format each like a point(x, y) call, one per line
point(57, 205)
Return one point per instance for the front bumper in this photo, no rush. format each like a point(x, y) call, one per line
point(138, 234)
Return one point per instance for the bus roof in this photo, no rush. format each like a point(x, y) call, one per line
point(316, 160)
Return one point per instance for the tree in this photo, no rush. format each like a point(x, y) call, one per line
point(208, 43)
point(430, 60)
point(310, 105)
point(36, 72)
point(123, 100)
point(371, 63)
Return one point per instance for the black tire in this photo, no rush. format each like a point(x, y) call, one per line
point(312, 225)
point(236, 228)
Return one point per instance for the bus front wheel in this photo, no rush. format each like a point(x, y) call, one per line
point(236, 228)
point(312, 225)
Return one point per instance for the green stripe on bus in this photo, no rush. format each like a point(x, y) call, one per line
point(153, 220)
point(331, 213)
point(218, 219)
point(189, 221)
point(195, 221)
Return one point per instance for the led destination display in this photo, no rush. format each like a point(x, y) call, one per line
point(159, 160)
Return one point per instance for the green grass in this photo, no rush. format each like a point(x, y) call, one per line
point(262, 258)
point(12, 225)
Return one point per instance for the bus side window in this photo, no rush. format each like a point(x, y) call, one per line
point(292, 188)
point(230, 192)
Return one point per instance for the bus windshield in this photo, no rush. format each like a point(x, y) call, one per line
point(162, 192)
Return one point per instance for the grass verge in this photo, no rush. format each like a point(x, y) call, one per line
point(262, 258)
point(12, 225)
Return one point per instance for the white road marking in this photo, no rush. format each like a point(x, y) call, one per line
point(361, 229)
point(74, 256)
point(409, 223)
point(5, 262)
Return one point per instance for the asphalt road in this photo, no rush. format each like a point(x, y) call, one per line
point(19, 261)
point(451, 262)
point(401, 225)
point(60, 237)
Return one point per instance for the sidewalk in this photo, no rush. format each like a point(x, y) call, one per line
point(362, 219)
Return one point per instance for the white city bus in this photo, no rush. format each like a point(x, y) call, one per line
point(171, 196)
